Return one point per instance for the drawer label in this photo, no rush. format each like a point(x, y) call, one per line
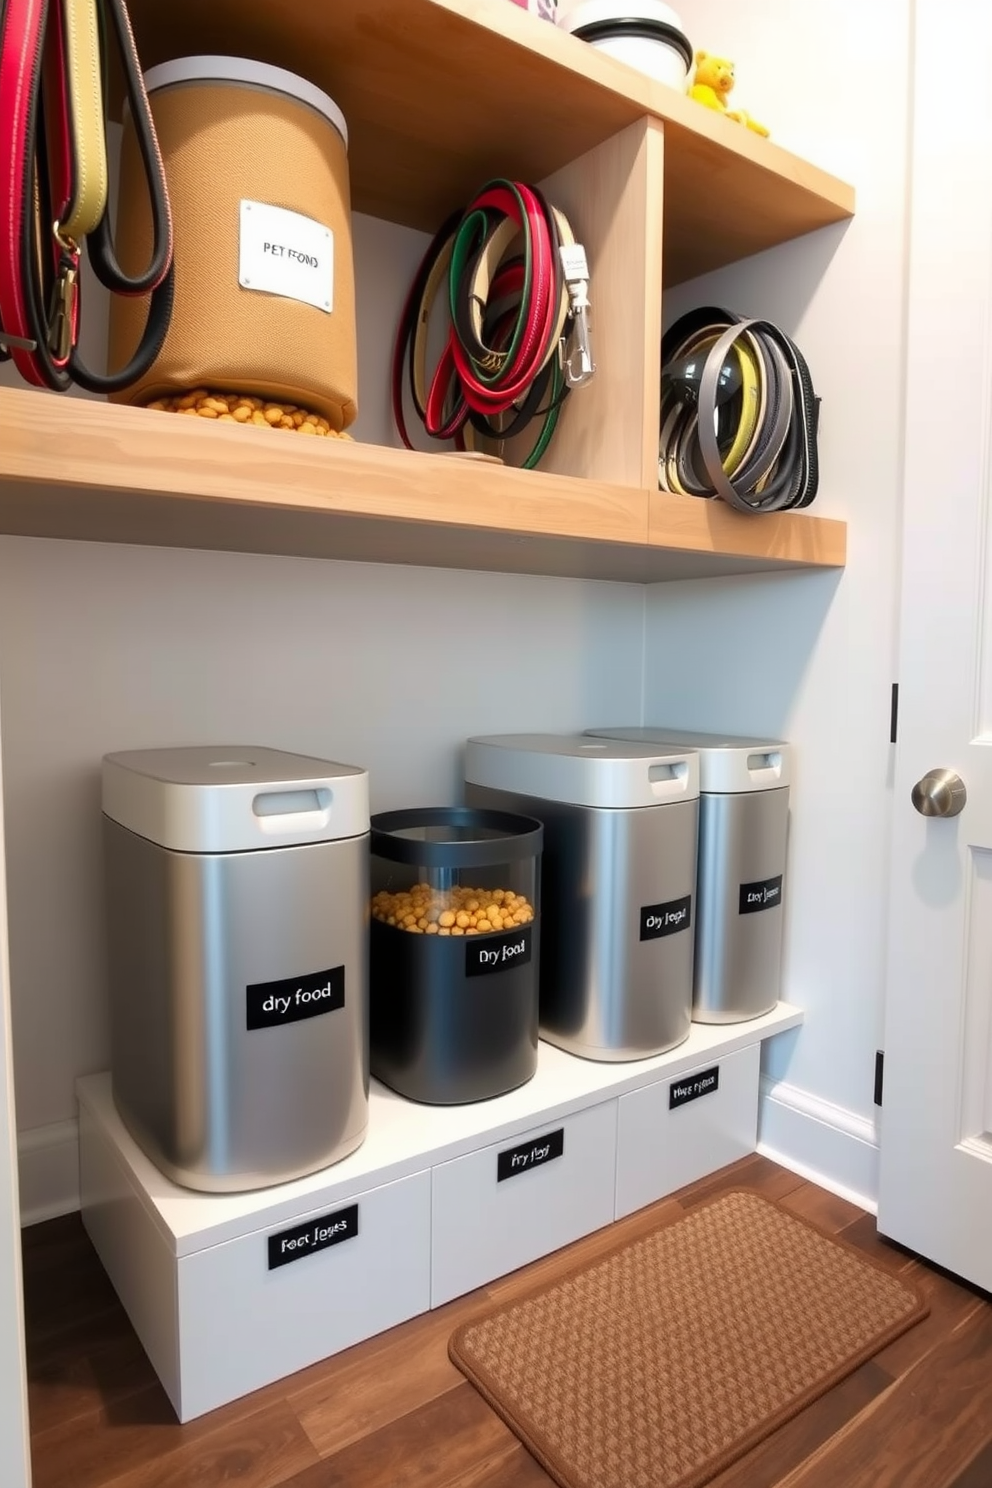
point(317, 1234)
point(485, 953)
point(529, 1155)
point(766, 894)
point(691, 1087)
point(284, 253)
point(270, 1004)
point(666, 919)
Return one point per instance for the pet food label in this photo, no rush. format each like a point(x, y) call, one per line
point(757, 896)
point(516, 1160)
point(485, 953)
point(666, 919)
point(285, 253)
point(270, 1004)
point(691, 1087)
point(317, 1234)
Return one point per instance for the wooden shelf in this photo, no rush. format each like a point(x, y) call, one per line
point(107, 473)
point(440, 95)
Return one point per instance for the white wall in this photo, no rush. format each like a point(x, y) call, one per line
point(811, 658)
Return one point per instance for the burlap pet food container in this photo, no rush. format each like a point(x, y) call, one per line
point(257, 166)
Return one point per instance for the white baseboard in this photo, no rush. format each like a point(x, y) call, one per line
point(48, 1171)
point(827, 1144)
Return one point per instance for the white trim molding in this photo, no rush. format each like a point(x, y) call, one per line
point(827, 1144)
point(48, 1171)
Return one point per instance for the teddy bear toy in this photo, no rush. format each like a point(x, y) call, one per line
point(711, 86)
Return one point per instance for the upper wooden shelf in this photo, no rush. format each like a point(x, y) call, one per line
point(440, 95)
point(107, 473)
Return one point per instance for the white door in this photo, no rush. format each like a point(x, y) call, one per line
point(15, 1468)
point(936, 1121)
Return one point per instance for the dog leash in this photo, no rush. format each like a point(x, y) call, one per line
point(518, 336)
point(53, 56)
point(739, 414)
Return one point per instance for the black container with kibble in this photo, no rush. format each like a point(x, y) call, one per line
point(455, 952)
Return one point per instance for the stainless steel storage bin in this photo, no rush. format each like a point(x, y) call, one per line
point(237, 930)
point(743, 828)
point(617, 882)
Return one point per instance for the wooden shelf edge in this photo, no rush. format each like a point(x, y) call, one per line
point(794, 539)
point(100, 472)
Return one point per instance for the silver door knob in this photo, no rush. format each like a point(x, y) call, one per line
point(939, 793)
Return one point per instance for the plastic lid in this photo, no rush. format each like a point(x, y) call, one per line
point(583, 771)
point(728, 763)
point(234, 798)
point(242, 70)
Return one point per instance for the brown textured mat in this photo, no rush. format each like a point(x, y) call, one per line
point(661, 1364)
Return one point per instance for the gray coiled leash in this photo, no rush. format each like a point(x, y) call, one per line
point(739, 414)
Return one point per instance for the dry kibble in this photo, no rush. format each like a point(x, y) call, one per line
point(458, 911)
point(239, 408)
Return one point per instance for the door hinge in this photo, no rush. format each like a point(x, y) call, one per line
point(894, 713)
point(879, 1071)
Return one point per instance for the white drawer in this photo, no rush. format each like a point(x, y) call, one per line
point(242, 1324)
point(485, 1225)
point(678, 1130)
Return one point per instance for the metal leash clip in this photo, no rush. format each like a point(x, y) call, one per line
point(19, 343)
point(579, 349)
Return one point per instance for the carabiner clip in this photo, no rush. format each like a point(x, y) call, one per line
point(579, 350)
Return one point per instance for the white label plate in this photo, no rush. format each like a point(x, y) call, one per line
point(573, 261)
point(285, 253)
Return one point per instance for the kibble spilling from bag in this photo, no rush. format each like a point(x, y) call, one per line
point(238, 408)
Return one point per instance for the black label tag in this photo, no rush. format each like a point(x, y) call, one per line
point(681, 1092)
point(666, 919)
point(485, 953)
point(317, 1234)
point(530, 1155)
point(268, 1004)
point(764, 895)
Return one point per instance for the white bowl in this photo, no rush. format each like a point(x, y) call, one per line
point(645, 34)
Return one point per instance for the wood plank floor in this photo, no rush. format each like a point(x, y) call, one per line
point(395, 1413)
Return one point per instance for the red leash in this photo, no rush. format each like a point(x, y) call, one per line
point(53, 155)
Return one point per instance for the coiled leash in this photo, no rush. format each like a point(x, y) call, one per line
point(53, 156)
point(518, 338)
point(739, 414)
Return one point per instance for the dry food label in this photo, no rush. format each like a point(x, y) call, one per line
point(766, 894)
point(270, 1004)
point(666, 919)
point(691, 1087)
point(516, 1160)
point(487, 953)
point(317, 1234)
point(284, 253)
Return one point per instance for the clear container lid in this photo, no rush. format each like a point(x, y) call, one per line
point(455, 837)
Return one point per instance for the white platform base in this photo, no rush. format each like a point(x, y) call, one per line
point(229, 1292)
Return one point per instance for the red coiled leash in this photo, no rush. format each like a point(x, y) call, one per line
point(516, 291)
point(53, 160)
